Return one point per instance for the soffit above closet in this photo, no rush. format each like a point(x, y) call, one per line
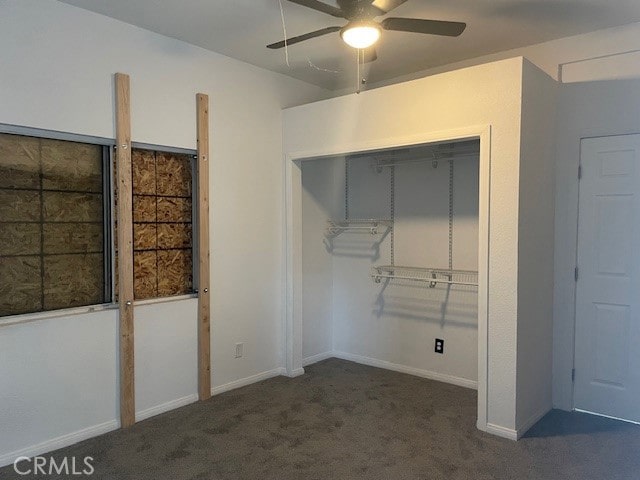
point(242, 28)
point(432, 151)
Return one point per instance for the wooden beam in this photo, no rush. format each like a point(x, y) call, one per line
point(204, 294)
point(125, 249)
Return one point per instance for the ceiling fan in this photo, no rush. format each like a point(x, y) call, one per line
point(362, 30)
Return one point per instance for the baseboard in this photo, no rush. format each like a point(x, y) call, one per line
point(508, 433)
point(296, 373)
point(518, 433)
point(59, 442)
point(606, 416)
point(531, 422)
point(316, 358)
point(165, 407)
point(243, 382)
point(440, 377)
point(80, 435)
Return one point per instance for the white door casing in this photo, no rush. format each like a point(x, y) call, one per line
point(607, 337)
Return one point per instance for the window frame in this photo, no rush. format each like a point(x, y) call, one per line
point(193, 156)
point(108, 146)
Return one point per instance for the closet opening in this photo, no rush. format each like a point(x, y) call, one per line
point(388, 260)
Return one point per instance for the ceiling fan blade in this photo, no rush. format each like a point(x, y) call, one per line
point(320, 7)
point(302, 38)
point(369, 55)
point(431, 27)
point(387, 5)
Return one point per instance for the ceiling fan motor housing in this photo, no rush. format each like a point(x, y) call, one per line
point(359, 10)
point(362, 30)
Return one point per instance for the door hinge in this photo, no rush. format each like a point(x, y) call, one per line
point(576, 273)
point(573, 374)
point(579, 172)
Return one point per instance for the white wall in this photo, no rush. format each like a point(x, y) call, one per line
point(596, 108)
point(357, 319)
point(535, 247)
point(321, 200)
point(59, 375)
point(345, 313)
point(585, 110)
point(166, 356)
point(57, 378)
point(484, 95)
point(604, 54)
point(397, 324)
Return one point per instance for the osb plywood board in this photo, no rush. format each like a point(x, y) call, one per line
point(19, 239)
point(144, 209)
point(174, 235)
point(143, 165)
point(145, 275)
point(174, 272)
point(72, 207)
point(73, 238)
point(73, 280)
point(173, 174)
point(174, 209)
point(168, 176)
point(20, 285)
point(19, 161)
point(71, 166)
point(19, 206)
point(144, 236)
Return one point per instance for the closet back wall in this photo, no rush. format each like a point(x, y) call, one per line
point(58, 376)
point(393, 325)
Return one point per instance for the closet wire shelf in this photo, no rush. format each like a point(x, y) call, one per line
point(432, 276)
point(434, 155)
point(372, 226)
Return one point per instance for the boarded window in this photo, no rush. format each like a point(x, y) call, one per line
point(52, 211)
point(162, 224)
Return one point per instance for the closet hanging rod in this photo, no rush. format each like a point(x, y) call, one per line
point(369, 225)
point(349, 221)
point(377, 278)
point(432, 276)
point(380, 164)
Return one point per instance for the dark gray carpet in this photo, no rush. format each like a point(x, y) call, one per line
point(347, 421)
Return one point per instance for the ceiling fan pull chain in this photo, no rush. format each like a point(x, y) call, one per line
point(357, 70)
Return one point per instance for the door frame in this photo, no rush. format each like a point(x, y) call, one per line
point(292, 318)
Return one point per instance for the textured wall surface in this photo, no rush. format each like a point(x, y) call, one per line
point(80, 51)
point(322, 199)
point(485, 95)
point(396, 322)
point(535, 244)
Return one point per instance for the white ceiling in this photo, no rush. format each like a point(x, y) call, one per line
point(242, 28)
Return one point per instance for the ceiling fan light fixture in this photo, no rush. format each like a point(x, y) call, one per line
point(361, 34)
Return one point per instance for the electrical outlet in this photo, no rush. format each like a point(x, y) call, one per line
point(239, 349)
point(439, 345)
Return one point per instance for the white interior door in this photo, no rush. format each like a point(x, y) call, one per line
point(607, 347)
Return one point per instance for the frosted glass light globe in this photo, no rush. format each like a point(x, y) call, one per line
point(360, 35)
